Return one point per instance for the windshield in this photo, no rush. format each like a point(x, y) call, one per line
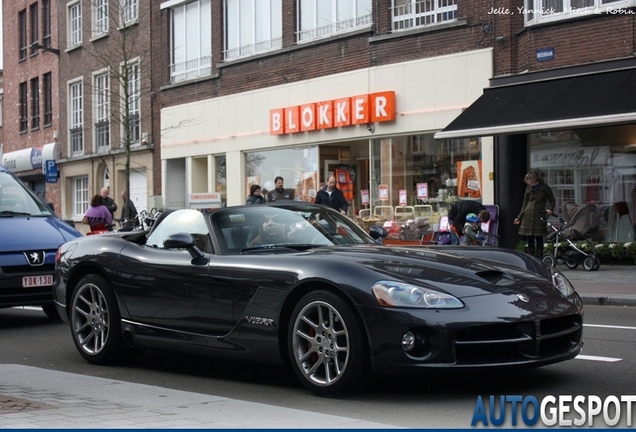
point(17, 199)
point(246, 229)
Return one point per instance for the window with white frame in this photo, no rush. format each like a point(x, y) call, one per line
point(74, 24)
point(76, 114)
point(101, 113)
point(80, 196)
point(252, 26)
point(543, 11)
point(323, 18)
point(100, 20)
point(190, 40)
point(132, 102)
point(130, 11)
point(409, 14)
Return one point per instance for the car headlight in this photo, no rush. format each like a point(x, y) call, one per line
point(399, 294)
point(561, 282)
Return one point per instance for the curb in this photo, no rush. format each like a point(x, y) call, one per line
point(605, 300)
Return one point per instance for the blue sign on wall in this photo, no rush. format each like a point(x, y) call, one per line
point(544, 54)
point(51, 171)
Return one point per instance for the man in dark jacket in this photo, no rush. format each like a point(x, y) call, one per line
point(280, 193)
point(457, 217)
point(109, 202)
point(332, 196)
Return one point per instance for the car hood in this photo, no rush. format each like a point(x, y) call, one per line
point(460, 276)
point(26, 233)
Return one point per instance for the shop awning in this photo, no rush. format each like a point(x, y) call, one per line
point(598, 99)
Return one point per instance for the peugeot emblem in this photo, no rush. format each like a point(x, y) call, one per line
point(523, 297)
point(35, 258)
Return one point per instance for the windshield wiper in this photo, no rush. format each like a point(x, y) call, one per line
point(13, 213)
point(292, 246)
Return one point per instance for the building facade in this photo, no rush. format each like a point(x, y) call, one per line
point(30, 58)
point(306, 89)
point(106, 123)
point(563, 107)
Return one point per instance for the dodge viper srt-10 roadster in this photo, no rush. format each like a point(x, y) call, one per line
point(302, 285)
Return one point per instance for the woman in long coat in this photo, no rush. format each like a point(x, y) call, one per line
point(537, 199)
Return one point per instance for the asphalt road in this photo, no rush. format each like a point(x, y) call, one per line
point(438, 400)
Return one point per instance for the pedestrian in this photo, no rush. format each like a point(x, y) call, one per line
point(538, 203)
point(457, 217)
point(279, 193)
point(97, 215)
point(331, 196)
point(255, 196)
point(128, 217)
point(471, 229)
point(109, 202)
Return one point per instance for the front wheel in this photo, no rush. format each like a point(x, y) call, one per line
point(326, 344)
point(95, 322)
point(571, 264)
point(550, 260)
point(597, 263)
point(589, 263)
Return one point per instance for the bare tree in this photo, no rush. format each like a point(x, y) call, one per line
point(125, 55)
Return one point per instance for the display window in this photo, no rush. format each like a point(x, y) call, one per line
point(297, 166)
point(585, 168)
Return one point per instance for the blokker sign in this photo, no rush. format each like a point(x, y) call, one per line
point(348, 111)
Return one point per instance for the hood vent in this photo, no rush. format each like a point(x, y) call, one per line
point(496, 277)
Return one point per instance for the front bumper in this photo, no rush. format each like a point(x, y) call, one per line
point(490, 331)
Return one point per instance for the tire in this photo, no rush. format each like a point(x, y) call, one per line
point(550, 260)
point(51, 312)
point(589, 263)
point(95, 322)
point(327, 345)
point(597, 263)
point(571, 264)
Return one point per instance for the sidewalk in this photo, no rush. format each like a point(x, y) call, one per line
point(39, 398)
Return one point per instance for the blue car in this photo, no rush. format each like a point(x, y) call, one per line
point(30, 234)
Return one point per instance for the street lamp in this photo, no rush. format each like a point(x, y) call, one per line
point(37, 46)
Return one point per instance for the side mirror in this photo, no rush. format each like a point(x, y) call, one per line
point(184, 241)
point(51, 206)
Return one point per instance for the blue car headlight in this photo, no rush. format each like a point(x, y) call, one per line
point(400, 294)
point(561, 282)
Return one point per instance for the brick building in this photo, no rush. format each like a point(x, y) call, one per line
point(30, 100)
point(565, 107)
point(104, 84)
point(289, 63)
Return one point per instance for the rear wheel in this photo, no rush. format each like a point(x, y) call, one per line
point(326, 344)
point(550, 260)
point(95, 322)
point(589, 263)
point(597, 263)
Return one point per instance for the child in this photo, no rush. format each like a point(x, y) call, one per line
point(471, 229)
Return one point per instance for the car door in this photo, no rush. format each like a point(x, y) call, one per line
point(168, 288)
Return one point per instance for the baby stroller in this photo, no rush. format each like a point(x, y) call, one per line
point(581, 222)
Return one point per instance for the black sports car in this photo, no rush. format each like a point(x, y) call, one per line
point(301, 284)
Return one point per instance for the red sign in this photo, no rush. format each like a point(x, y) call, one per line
point(348, 111)
point(364, 196)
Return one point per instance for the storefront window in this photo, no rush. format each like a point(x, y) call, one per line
point(589, 167)
point(297, 166)
point(416, 170)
